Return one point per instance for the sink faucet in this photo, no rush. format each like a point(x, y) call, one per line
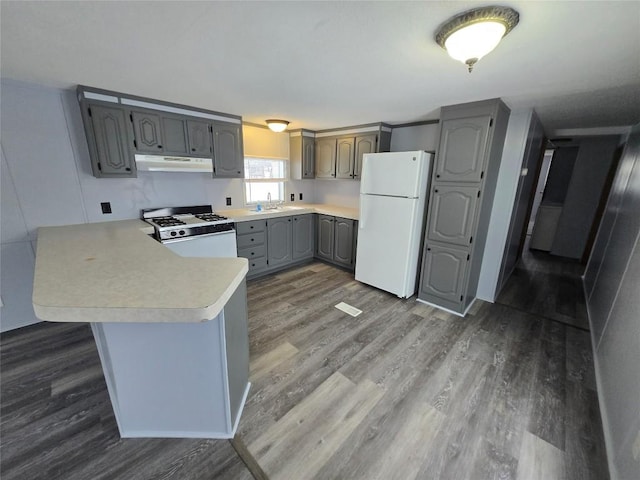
point(269, 198)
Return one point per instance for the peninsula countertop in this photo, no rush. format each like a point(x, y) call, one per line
point(115, 272)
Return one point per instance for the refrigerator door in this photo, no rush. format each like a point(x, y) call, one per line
point(398, 174)
point(388, 243)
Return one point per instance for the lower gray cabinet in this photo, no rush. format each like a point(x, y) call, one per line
point(302, 237)
point(275, 243)
point(279, 241)
point(335, 240)
point(443, 275)
point(199, 134)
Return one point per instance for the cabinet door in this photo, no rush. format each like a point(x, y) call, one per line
point(228, 158)
point(443, 272)
point(326, 158)
point(308, 157)
point(451, 214)
point(199, 138)
point(345, 157)
point(364, 144)
point(462, 149)
point(324, 240)
point(148, 131)
point(113, 152)
point(174, 136)
point(278, 241)
point(343, 243)
point(302, 237)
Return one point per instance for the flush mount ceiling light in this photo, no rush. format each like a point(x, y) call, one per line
point(277, 125)
point(470, 35)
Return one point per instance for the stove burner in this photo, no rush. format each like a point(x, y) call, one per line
point(167, 221)
point(210, 217)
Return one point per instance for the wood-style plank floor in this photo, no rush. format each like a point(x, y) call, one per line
point(402, 391)
point(548, 286)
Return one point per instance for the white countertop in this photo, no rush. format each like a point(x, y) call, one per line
point(245, 214)
point(115, 272)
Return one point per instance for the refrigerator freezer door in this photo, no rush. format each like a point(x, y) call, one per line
point(398, 174)
point(388, 243)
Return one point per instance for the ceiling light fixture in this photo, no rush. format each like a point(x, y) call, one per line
point(277, 125)
point(470, 35)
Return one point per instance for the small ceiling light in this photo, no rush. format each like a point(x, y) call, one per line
point(277, 125)
point(470, 35)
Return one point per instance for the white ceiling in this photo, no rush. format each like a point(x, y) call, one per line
point(332, 64)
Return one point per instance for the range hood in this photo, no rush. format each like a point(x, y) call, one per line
point(157, 163)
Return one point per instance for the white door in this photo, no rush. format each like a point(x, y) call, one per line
point(399, 174)
point(388, 243)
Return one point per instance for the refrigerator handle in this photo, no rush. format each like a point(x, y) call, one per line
point(363, 215)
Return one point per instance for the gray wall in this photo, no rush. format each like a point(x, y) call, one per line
point(583, 195)
point(555, 190)
point(611, 283)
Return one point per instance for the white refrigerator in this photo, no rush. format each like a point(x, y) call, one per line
point(393, 192)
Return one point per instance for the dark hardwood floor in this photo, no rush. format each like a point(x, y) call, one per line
point(401, 391)
point(548, 286)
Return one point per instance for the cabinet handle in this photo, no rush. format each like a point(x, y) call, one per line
point(128, 169)
point(159, 146)
point(438, 175)
point(251, 227)
point(436, 190)
point(239, 171)
point(289, 219)
point(252, 239)
point(193, 149)
point(429, 249)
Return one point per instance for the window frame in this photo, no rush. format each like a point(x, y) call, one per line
point(283, 180)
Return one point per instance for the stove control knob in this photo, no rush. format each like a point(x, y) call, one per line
point(173, 234)
point(181, 232)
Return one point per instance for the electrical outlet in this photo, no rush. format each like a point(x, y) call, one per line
point(293, 197)
point(228, 201)
point(300, 196)
point(106, 207)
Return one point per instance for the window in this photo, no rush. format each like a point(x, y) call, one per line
point(264, 176)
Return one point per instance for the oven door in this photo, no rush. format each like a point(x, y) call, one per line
point(221, 244)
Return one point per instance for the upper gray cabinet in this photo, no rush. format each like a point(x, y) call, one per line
point(340, 156)
point(126, 125)
point(108, 139)
point(364, 144)
point(302, 155)
point(326, 158)
point(461, 154)
point(345, 156)
point(148, 132)
point(199, 134)
point(228, 156)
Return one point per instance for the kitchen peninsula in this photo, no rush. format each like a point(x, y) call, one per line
point(171, 331)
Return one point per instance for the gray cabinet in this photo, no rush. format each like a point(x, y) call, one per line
point(343, 241)
point(302, 152)
point(252, 245)
point(462, 150)
point(325, 237)
point(303, 241)
point(326, 158)
point(335, 240)
point(345, 156)
point(109, 140)
point(452, 210)
point(445, 270)
point(462, 190)
point(363, 144)
point(228, 155)
point(279, 241)
point(148, 132)
point(174, 135)
point(199, 135)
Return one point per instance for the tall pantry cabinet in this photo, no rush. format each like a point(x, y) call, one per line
point(462, 189)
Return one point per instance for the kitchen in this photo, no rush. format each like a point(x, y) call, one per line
point(62, 190)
